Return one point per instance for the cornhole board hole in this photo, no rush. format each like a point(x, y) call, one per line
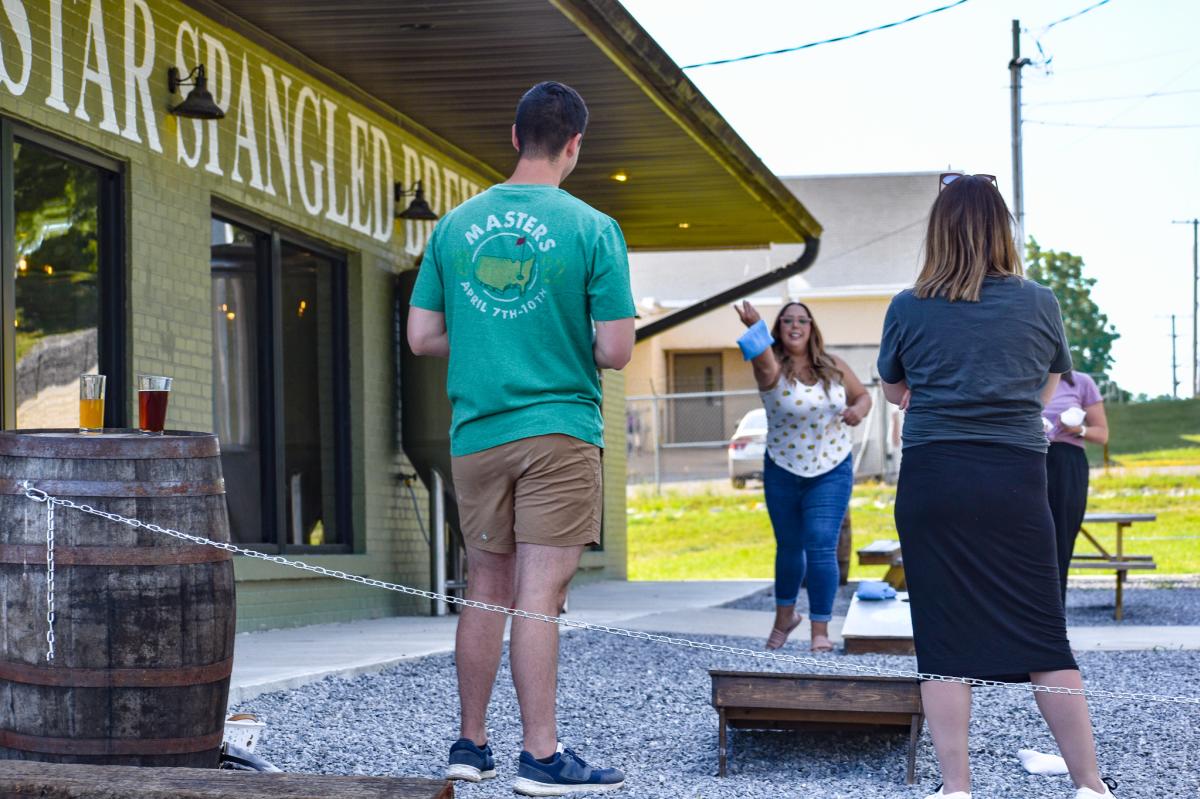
point(74, 781)
point(881, 626)
point(768, 701)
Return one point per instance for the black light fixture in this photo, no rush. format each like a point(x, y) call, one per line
point(199, 103)
point(418, 209)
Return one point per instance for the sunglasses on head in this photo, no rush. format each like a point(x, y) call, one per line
point(949, 177)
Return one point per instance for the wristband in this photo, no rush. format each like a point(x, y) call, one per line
point(755, 341)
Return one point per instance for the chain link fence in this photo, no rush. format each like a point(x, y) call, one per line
point(673, 438)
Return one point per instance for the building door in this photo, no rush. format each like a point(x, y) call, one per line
point(700, 418)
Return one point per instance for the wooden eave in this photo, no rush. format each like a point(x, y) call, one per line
point(452, 72)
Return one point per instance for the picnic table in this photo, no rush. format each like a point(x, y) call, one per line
point(885, 553)
point(1118, 560)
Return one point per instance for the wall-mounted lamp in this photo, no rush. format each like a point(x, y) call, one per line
point(199, 103)
point(418, 209)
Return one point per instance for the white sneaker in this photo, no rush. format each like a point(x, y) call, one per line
point(955, 795)
point(1088, 793)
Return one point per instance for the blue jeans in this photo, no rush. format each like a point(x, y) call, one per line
point(807, 513)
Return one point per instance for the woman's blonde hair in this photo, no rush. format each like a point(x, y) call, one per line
point(823, 365)
point(969, 237)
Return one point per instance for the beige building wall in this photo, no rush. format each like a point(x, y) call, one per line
point(851, 326)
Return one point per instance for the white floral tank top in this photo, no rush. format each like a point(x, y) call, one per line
point(805, 431)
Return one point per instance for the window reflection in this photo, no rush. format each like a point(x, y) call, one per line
point(235, 376)
point(57, 294)
point(308, 395)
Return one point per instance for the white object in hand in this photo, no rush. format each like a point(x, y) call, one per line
point(1041, 763)
point(1047, 425)
point(1072, 417)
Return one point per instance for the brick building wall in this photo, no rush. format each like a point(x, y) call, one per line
point(300, 148)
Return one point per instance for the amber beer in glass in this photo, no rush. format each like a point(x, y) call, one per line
point(153, 393)
point(91, 403)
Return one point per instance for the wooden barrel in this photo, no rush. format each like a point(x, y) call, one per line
point(145, 622)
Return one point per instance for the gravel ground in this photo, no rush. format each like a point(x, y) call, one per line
point(646, 708)
point(1150, 604)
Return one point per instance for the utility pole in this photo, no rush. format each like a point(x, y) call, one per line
point(1195, 223)
point(1014, 68)
point(1174, 373)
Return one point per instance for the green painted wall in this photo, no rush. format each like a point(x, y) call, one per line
point(307, 154)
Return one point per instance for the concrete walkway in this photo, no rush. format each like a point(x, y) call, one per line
point(281, 659)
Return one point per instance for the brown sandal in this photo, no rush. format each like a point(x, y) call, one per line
point(779, 637)
point(826, 647)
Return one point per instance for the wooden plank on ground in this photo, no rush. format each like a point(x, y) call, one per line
point(883, 626)
point(74, 781)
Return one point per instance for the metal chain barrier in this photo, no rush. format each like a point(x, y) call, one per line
point(37, 495)
point(50, 581)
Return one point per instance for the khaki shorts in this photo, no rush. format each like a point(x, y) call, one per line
point(539, 490)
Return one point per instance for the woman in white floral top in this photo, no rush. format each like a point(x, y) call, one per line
point(812, 398)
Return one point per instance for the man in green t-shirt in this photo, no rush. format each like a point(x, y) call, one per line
point(526, 290)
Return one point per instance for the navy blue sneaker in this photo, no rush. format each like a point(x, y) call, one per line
point(565, 773)
point(470, 762)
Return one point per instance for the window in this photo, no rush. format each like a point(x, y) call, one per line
point(280, 394)
point(63, 310)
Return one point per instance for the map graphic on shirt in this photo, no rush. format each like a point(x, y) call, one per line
point(505, 266)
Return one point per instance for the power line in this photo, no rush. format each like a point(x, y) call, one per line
point(1115, 97)
point(827, 41)
point(1070, 17)
point(1037, 37)
point(1108, 122)
point(1056, 124)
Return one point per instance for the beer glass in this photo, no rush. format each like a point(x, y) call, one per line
point(91, 403)
point(153, 393)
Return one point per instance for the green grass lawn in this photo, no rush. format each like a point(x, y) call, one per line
point(728, 536)
point(1164, 433)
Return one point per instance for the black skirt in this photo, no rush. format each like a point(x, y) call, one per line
point(1067, 480)
point(980, 561)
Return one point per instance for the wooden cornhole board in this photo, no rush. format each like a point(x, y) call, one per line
point(73, 781)
point(769, 701)
point(881, 626)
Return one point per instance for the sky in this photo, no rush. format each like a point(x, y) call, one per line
point(935, 93)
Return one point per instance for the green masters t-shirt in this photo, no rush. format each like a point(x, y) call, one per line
point(521, 272)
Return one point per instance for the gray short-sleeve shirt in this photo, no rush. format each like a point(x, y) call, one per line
point(975, 369)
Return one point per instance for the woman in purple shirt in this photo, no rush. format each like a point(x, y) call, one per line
point(1066, 462)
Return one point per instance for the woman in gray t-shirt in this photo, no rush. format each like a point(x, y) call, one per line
point(973, 351)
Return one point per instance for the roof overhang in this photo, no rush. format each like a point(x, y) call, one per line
point(453, 70)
